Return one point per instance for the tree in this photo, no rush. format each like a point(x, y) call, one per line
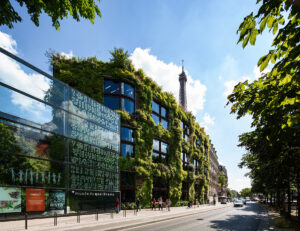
point(57, 10)
point(273, 101)
point(246, 192)
point(120, 59)
point(221, 179)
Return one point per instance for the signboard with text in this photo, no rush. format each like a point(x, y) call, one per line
point(35, 199)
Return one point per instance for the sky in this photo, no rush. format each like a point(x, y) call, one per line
point(158, 35)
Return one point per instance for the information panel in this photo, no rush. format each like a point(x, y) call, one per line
point(10, 200)
point(35, 199)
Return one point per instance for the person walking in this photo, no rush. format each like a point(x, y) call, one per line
point(160, 203)
point(153, 203)
point(137, 204)
point(168, 203)
point(117, 205)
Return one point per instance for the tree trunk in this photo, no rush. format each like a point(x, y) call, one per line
point(289, 196)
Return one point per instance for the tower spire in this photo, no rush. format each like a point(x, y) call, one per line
point(182, 89)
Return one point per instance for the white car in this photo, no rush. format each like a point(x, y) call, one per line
point(238, 203)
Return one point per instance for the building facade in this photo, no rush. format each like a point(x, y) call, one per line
point(213, 174)
point(164, 151)
point(223, 189)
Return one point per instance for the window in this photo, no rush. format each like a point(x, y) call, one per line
point(186, 132)
point(198, 142)
point(197, 167)
point(160, 114)
point(127, 142)
point(205, 153)
point(160, 152)
point(119, 96)
point(185, 160)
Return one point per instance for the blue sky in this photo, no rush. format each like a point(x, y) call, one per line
point(158, 35)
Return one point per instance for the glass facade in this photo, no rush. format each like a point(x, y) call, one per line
point(160, 152)
point(119, 96)
point(159, 115)
point(56, 142)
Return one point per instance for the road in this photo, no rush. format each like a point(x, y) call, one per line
point(230, 218)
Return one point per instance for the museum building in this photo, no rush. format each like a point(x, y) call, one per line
point(163, 150)
point(59, 149)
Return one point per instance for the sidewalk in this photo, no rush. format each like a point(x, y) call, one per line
point(107, 221)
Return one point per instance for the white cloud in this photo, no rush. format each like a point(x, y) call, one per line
point(67, 55)
point(7, 43)
point(207, 121)
point(238, 182)
point(22, 78)
point(166, 75)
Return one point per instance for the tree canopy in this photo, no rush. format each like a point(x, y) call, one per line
point(57, 10)
point(246, 192)
point(273, 101)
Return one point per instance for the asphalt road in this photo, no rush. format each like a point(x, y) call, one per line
point(230, 218)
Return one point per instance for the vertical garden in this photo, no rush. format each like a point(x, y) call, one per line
point(88, 76)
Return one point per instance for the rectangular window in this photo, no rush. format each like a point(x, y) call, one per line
point(127, 150)
point(160, 115)
point(160, 152)
point(127, 142)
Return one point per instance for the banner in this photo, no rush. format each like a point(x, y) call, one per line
point(10, 200)
point(35, 199)
point(57, 200)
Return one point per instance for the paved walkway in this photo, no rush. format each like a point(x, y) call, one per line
point(107, 221)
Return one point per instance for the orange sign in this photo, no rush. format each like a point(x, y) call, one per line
point(35, 199)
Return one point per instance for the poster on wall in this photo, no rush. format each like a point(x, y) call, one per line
point(35, 199)
point(10, 200)
point(57, 200)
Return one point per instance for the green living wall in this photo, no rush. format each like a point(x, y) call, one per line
point(87, 76)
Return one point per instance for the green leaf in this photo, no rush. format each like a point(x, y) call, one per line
point(281, 21)
point(270, 21)
point(253, 36)
point(265, 63)
point(275, 28)
point(263, 24)
point(246, 40)
point(285, 80)
point(289, 101)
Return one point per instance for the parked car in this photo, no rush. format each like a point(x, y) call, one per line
point(238, 203)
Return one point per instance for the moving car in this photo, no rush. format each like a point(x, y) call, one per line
point(238, 203)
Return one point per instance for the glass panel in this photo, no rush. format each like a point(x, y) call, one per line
point(181, 125)
point(93, 134)
point(182, 156)
point(127, 150)
point(163, 112)
point(92, 156)
point(164, 159)
point(155, 107)
point(111, 102)
point(156, 145)
point(88, 108)
point(94, 179)
point(29, 81)
point(164, 123)
point(33, 142)
point(127, 134)
point(164, 147)
point(26, 171)
point(186, 158)
point(186, 137)
point(155, 157)
point(128, 90)
point(111, 87)
point(127, 105)
point(37, 114)
point(155, 118)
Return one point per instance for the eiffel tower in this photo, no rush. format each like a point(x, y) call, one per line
point(182, 89)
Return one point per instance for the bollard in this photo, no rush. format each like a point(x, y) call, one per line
point(26, 225)
point(97, 215)
point(55, 219)
point(78, 217)
point(112, 215)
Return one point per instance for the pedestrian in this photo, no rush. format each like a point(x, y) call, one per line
point(168, 203)
point(160, 203)
point(117, 205)
point(137, 204)
point(214, 201)
point(153, 203)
